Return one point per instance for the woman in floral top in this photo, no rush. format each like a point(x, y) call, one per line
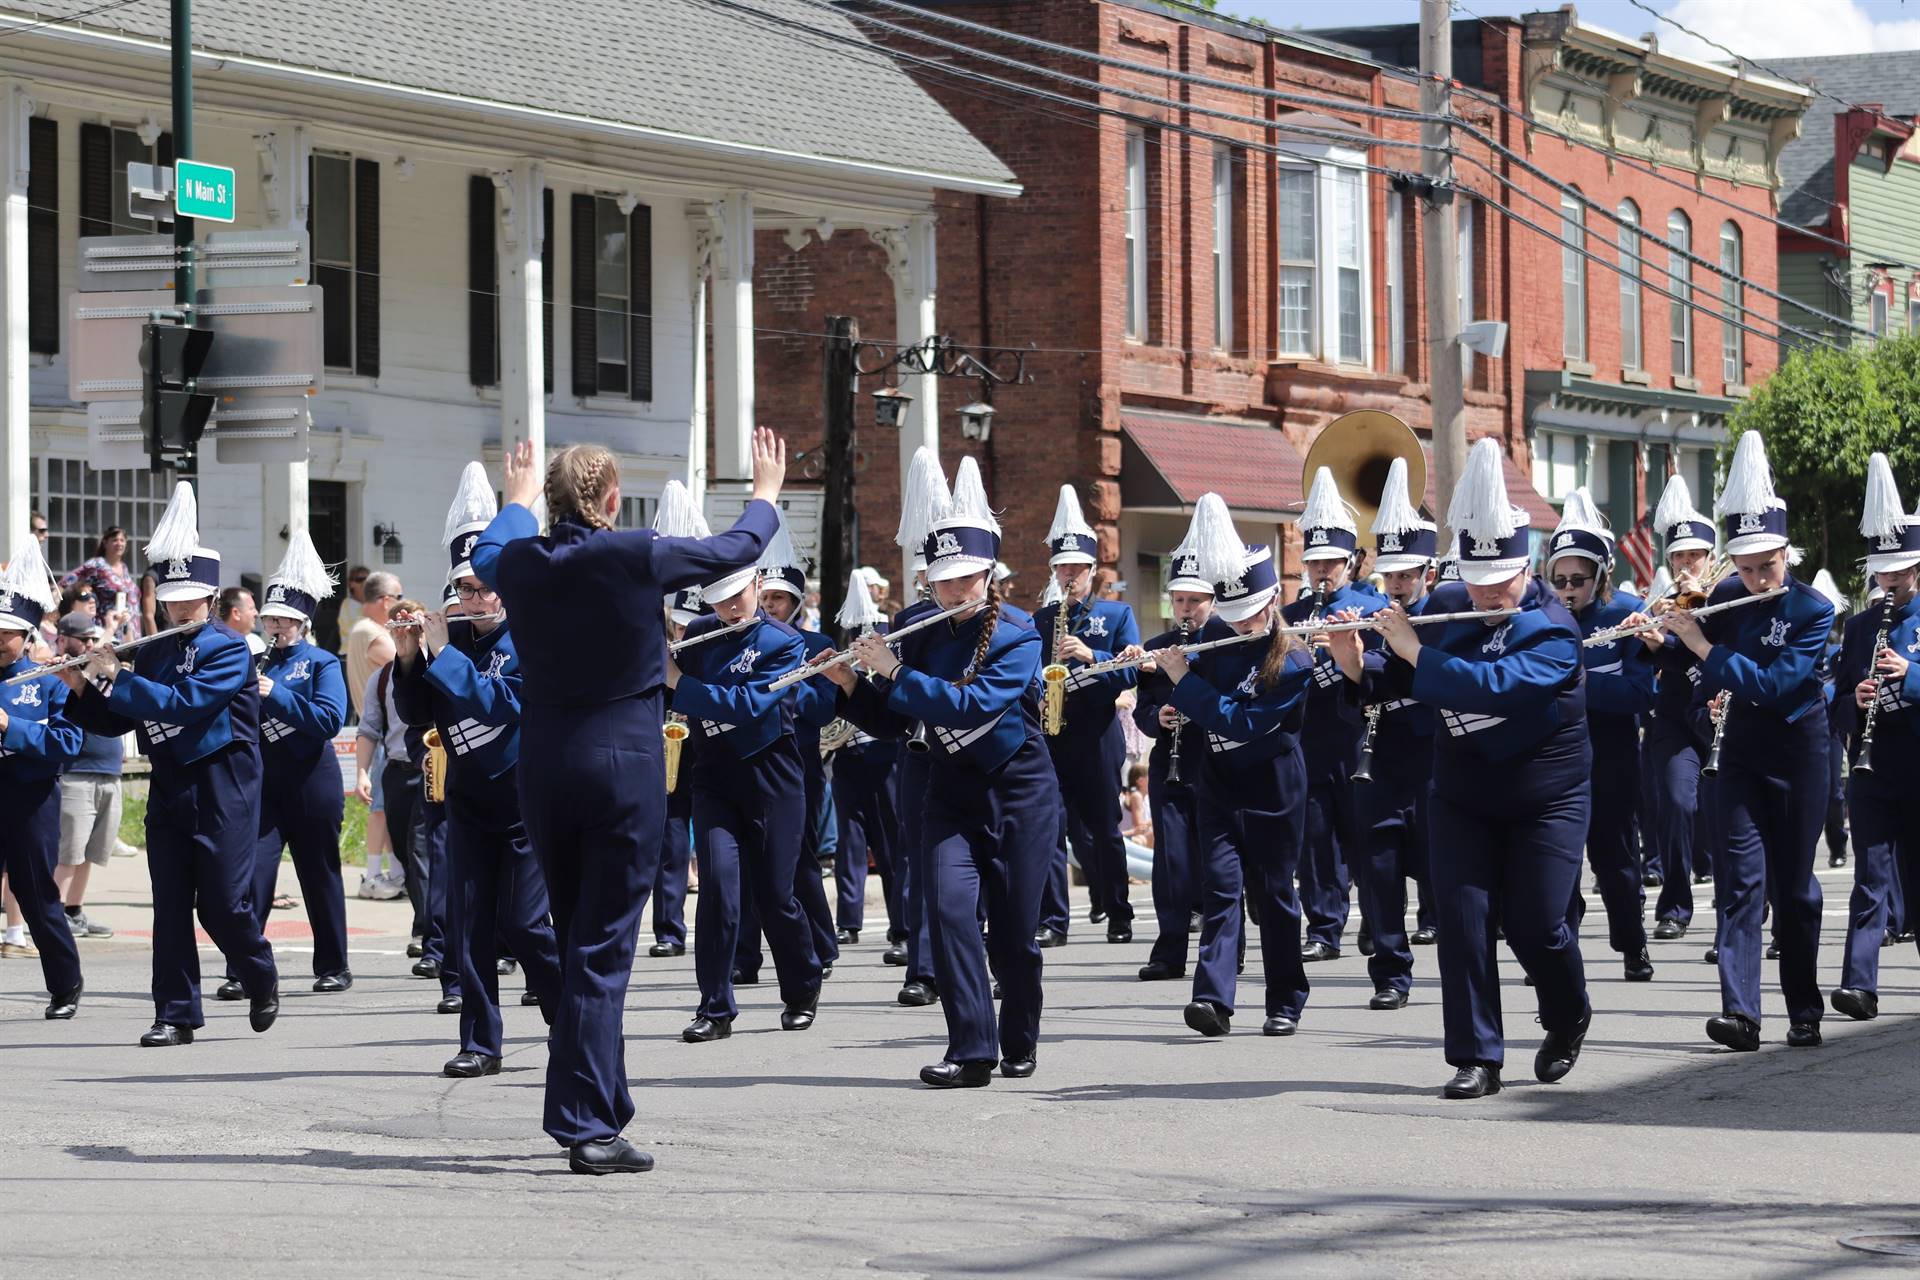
point(113, 583)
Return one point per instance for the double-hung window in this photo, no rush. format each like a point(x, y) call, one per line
point(1325, 273)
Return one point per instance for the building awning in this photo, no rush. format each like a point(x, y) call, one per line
point(1558, 400)
point(1168, 460)
point(1520, 492)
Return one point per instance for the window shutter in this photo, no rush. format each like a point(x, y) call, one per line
point(366, 268)
point(546, 284)
point(163, 151)
point(43, 236)
point(586, 353)
point(483, 284)
point(640, 303)
point(96, 180)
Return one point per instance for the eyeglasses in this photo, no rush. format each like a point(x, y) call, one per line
point(471, 593)
point(39, 531)
point(1568, 584)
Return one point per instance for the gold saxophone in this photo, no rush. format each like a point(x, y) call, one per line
point(674, 731)
point(434, 770)
point(1053, 678)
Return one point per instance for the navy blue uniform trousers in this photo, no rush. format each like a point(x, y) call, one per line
point(990, 840)
point(867, 814)
point(1089, 764)
point(1390, 849)
point(1677, 817)
point(1176, 859)
point(748, 816)
point(497, 893)
point(203, 821)
point(301, 813)
point(1331, 753)
point(1508, 855)
point(1612, 851)
point(1252, 828)
point(1771, 798)
point(28, 856)
point(809, 886)
point(676, 855)
point(911, 866)
point(1885, 847)
point(430, 841)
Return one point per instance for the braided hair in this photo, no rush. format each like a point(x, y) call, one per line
point(991, 620)
point(578, 481)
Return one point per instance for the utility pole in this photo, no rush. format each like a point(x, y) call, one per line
point(837, 514)
point(1439, 233)
point(183, 280)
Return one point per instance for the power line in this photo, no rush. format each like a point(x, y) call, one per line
point(22, 28)
point(1740, 58)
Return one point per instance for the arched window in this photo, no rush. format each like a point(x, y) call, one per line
point(1630, 355)
point(1680, 284)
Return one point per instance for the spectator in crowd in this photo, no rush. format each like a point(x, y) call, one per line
point(115, 587)
point(89, 794)
point(1136, 819)
point(349, 613)
point(13, 939)
point(370, 647)
point(237, 608)
point(383, 734)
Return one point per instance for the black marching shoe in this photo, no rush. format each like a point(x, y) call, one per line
point(1425, 936)
point(448, 1004)
point(1472, 1082)
point(1279, 1025)
point(1861, 1006)
point(895, 954)
point(529, 998)
point(1652, 879)
point(1560, 1050)
point(333, 983)
point(608, 1155)
point(1366, 943)
point(1095, 915)
point(826, 971)
point(1837, 857)
point(1194, 921)
point(1120, 931)
point(1019, 1068)
point(1804, 1035)
point(1208, 1018)
point(468, 1065)
point(703, 1029)
point(800, 1016)
point(915, 994)
point(230, 990)
point(1712, 956)
point(425, 968)
point(1703, 877)
point(1388, 998)
point(744, 979)
point(1668, 930)
point(957, 1075)
point(1313, 951)
point(1160, 971)
point(265, 1010)
point(65, 1004)
point(164, 1034)
point(1736, 1031)
point(847, 937)
point(666, 950)
point(1773, 949)
point(415, 949)
point(1637, 966)
point(1050, 938)
point(505, 966)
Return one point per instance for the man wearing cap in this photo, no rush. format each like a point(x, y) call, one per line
point(89, 792)
point(1335, 721)
point(1090, 751)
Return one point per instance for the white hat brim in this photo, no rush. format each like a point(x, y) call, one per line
point(1753, 544)
point(1241, 610)
point(957, 567)
point(1491, 572)
point(1400, 564)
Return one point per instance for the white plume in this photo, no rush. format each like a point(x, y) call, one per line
point(1324, 509)
point(858, 611)
point(1661, 586)
point(923, 501)
point(1053, 593)
point(970, 496)
point(1397, 513)
point(1676, 505)
point(302, 569)
point(1066, 516)
point(1823, 583)
point(1212, 541)
point(26, 575)
point(177, 536)
point(473, 502)
point(678, 515)
point(1881, 516)
point(1749, 486)
point(779, 553)
point(1480, 508)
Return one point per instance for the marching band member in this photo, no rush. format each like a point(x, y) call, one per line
point(303, 703)
point(1837, 723)
point(36, 739)
point(196, 703)
point(990, 820)
point(1088, 747)
point(1179, 746)
point(676, 847)
point(866, 800)
point(1680, 815)
point(1770, 796)
point(1510, 696)
point(1619, 690)
point(749, 800)
point(460, 674)
point(441, 956)
point(924, 497)
point(594, 776)
point(1878, 669)
point(1390, 803)
point(1331, 742)
point(1251, 787)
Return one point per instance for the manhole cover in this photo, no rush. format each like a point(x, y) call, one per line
point(1901, 1244)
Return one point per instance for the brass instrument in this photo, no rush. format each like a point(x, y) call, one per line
point(1359, 448)
point(1053, 677)
point(1865, 761)
point(837, 735)
point(1179, 720)
point(919, 741)
point(674, 731)
point(1693, 595)
point(1712, 766)
point(433, 771)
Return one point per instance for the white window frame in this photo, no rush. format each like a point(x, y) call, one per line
point(1680, 283)
point(350, 265)
point(1333, 166)
point(80, 503)
point(1136, 235)
point(1913, 315)
point(1556, 464)
point(1632, 313)
point(1877, 312)
point(1573, 277)
point(1396, 284)
point(1223, 210)
point(1733, 339)
point(1310, 346)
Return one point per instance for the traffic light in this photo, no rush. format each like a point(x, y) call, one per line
point(173, 414)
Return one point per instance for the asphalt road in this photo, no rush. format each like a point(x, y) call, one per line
point(331, 1146)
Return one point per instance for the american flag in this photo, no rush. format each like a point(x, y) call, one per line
point(1637, 549)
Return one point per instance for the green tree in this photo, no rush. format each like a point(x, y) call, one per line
point(1823, 414)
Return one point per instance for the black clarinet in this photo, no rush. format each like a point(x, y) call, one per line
point(1364, 772)
point(1712, 766)
point(1179, 721)
point(1865, 761)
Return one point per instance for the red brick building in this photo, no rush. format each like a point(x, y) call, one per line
point(1216, 266)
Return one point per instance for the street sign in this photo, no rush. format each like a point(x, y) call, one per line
point(150, 192)
point(204, 191)
point(118, 264)
point(247, 259)
point(270, 340)
point(261, 429)
point(104, 334)
point(803, 508)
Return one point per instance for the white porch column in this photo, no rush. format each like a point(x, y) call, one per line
point(696, 476)
point(283, 485)
point(16, 491)
point(912, 266)
point(733, 420)
point(523, 389)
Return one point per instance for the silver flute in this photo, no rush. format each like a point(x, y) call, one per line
point(82, 659)
point(812, 669)
point(1653, 624)
point(680, 645)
